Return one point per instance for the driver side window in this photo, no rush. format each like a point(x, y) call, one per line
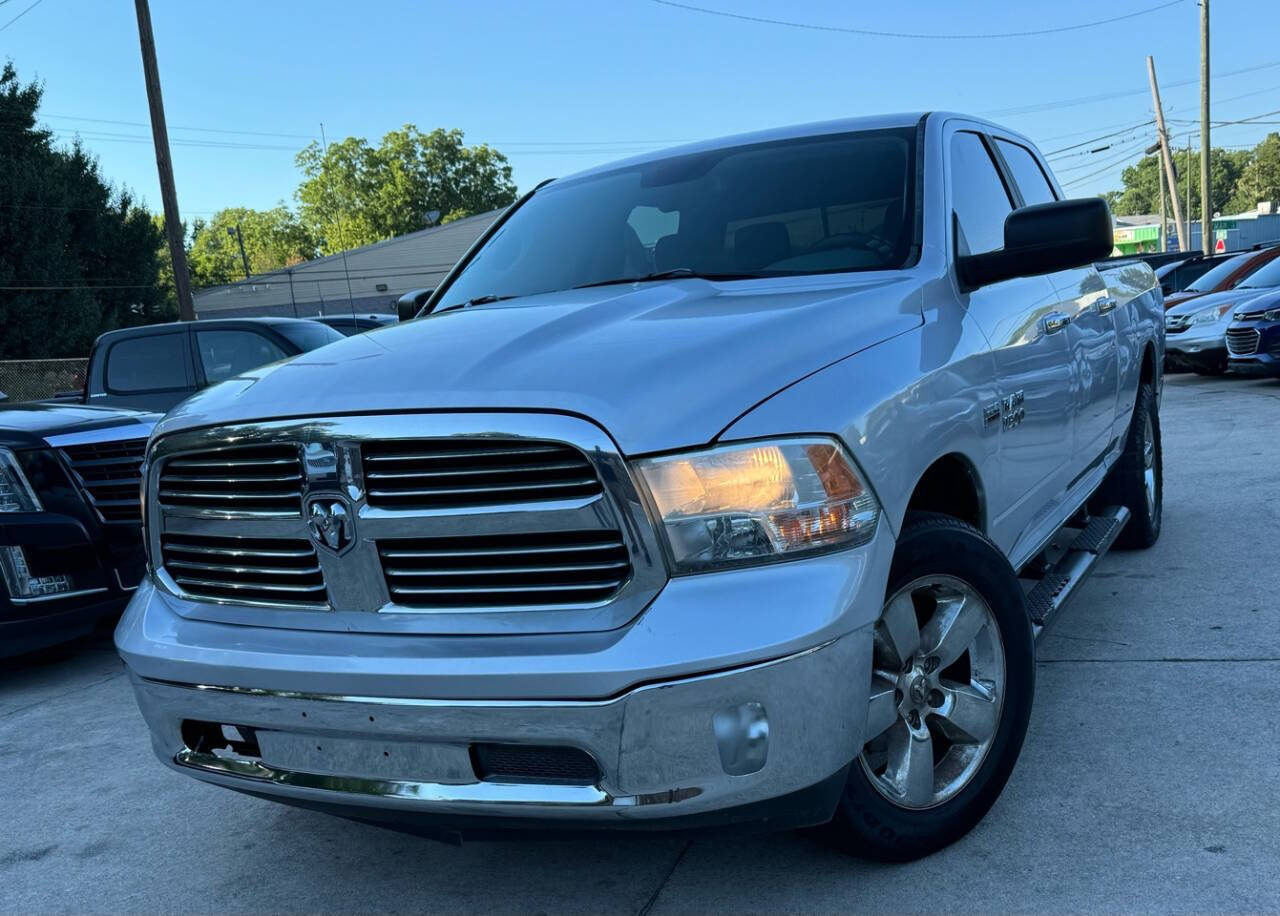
point(979, 197)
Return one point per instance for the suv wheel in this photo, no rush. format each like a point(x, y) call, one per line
point(953, 678)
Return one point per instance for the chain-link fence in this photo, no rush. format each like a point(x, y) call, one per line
point(34, 379)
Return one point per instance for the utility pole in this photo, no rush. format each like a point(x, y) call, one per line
point(1164, 226)
point(168, 193)
point(1206, 204)
point(1184, 238)
point(240, 238)
point(1175, 190)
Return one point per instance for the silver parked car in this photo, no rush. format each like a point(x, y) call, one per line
point(727, 483)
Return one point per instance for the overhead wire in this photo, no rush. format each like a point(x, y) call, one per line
point(880, 33)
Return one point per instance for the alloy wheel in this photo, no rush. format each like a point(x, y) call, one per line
point(937, 692)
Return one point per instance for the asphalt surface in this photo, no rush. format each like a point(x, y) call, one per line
point(1149, 778)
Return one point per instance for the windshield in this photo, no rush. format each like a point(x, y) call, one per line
point(844, 202)
point(308, 335)
point(1213, 278)
point(1264, 277)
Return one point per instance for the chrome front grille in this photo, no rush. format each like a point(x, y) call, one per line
point(401, 523)
point(457, 472)
point(258, 479)
point(1243, 341)
point(565, 567)
point(270, 570)
point(110, 473)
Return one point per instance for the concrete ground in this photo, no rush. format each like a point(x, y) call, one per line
point(1149, 778)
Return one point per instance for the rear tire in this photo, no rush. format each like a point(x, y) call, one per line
point(1137, 480)
point(951, 695)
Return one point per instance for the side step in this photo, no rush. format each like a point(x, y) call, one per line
point(1061, 580)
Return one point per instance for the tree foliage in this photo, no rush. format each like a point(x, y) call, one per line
point(77, 257)
point(1141, 192)
point(355, 194)
point(272, 239)
point(1238, 181)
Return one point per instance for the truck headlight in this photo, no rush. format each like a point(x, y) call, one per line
point(756, 502)
point(16, 494)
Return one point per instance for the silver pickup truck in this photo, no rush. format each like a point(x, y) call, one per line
point(727, 484)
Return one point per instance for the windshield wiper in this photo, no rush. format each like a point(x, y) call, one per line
point(671, 274)
point(478, 300)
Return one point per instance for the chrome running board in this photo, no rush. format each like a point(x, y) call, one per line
point(1061, 580)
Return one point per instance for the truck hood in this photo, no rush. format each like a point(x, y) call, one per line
point(29, 424)
point(658, 365)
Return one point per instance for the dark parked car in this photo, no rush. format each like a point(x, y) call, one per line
point(355, 324)
point(1226, 275)
point(155, 366)
point(1253, 337)
point(70, 520)
point(1175, 276)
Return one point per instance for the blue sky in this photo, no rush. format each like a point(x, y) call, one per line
point(560, 85)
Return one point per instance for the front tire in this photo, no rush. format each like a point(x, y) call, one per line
point(954, 676)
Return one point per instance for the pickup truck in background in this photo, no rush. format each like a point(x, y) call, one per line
point(153, 367)
point(744, 479)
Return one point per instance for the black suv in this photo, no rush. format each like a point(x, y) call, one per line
point(155, 366)
point(70, 520)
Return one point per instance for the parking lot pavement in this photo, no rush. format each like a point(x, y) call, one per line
point(1148, 779)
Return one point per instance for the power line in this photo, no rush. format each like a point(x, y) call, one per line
point(816, 27)
point(1127, 151)
point(1096, 139)
point(1108, 96)
point(1108, 168)
point(20, 15)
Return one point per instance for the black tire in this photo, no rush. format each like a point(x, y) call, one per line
point(1126, 484)
point(866, 822)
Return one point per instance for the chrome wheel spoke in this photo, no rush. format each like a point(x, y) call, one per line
point(898, 634)
point(968, 715)
point(910, 769)
point(883, 710)
point(952, 628)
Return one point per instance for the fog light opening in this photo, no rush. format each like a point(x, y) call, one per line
point(742, 735)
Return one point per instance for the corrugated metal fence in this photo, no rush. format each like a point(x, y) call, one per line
point(34, 379)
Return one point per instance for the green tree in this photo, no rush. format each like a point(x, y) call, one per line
point(77, 257)
point(272, 239)
point(356, 194)
point(1260, 178)
point(1141, 192)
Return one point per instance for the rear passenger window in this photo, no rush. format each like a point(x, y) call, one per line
point(978, 196)
point(154, 363)
point(1027, 173)
point(224, 354)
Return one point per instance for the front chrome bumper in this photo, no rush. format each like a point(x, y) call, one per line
point(665, 751)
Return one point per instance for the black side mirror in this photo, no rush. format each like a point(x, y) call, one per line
point(1041, 239)
point(408, 305)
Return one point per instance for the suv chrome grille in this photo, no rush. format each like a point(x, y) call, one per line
point(1243, 341)
point(110, 473)
point(255, 479)
point(278, 571)
point(542, 568)
point(458, 472)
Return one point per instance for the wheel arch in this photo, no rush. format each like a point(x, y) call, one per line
point(951, 486)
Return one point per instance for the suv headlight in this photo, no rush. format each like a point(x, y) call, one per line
point(1271, 315)
point(16, 494)
point(1211, 314)
point(757, 502)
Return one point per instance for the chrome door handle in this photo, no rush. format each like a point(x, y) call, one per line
point(1055, 322)
point(1106, 305)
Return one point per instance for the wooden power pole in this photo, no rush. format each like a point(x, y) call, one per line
point(1206, 202)
point(160, 134)
point(1164, 224)
point(1184, 237)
